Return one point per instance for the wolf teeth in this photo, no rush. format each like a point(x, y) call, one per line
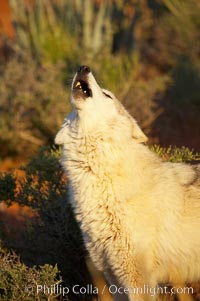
point(78, 84)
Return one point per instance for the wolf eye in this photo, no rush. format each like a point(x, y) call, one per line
point(107, 95)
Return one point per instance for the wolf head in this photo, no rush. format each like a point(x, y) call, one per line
point(87, 95)
point(94, 106)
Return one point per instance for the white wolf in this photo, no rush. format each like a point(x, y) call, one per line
point(140, 217)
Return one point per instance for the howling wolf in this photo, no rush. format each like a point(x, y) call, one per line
point(140, 217)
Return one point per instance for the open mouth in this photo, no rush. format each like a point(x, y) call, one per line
point(83, 87)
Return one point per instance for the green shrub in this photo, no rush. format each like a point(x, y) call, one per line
point(175, 154)
point(52, 236)
point(18, 282)
point(33, 104)
point(7, 187)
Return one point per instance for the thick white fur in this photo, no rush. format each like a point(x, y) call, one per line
point(140, 217)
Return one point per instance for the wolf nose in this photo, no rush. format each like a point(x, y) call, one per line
point(83, 70)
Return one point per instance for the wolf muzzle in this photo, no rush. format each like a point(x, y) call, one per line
point(80, 85)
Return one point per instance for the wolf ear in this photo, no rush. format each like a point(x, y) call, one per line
point(137, 133)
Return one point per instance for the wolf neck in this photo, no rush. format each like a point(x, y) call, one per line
point(102, 154)
point(91, 120)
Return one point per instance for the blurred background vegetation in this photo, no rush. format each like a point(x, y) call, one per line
point(146, 51)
